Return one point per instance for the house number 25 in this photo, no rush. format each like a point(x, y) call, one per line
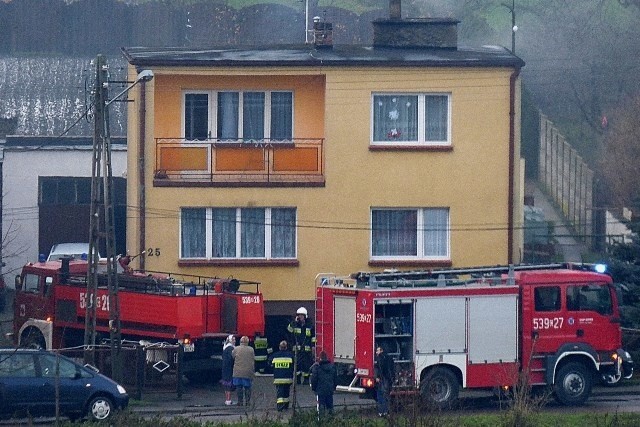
point(153, 252)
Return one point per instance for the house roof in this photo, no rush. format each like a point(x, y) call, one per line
point(335, 56)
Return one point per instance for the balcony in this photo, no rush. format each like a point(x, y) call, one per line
point(256, 163)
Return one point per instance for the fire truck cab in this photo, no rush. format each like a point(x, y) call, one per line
point(474, 328)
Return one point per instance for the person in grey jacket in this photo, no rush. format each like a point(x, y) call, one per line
point(244, 368)
point(324, 379)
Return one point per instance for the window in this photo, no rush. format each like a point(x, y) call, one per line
point(411, 119)
point(237, 115)
point(547, 298)
point(31, 283)
point(60, 190)
point(238, 233)
point(589, 298)
point(17, 365)
point(410, 233)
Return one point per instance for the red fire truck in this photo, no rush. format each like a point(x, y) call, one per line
point(198, 312)
point(474, 328)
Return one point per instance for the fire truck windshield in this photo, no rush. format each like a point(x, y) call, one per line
point(591, 297)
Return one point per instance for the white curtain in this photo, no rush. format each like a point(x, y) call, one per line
point(436, 232)
point(224, 233)
point(228, 104)
point(283, 233)
point(395, 118)
point(437, 122)
point(394, 232)
point(252, 231)
point(193, 233)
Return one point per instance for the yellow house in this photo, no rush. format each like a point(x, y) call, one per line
point(274, 164)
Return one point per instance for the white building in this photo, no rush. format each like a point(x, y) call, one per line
point(46, 189)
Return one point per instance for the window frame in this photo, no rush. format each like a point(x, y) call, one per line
point(421, 117)
point(209, 240)
point(212, 113)
point(420, 238)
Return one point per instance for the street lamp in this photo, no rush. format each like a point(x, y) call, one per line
point(143, 76)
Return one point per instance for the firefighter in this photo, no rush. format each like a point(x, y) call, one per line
point(261, 346)
point(282, 364)
point(303, 341)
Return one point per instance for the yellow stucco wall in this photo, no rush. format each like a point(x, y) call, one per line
point(334, 220)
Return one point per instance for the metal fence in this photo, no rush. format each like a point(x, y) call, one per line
point(567, 179)
point(145, 367)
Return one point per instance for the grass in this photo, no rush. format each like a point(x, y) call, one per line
point(356, 419)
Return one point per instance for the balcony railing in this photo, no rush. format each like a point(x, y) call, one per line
point(213, 162)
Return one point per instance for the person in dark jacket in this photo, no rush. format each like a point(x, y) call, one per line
point(384, 372)
point(282, 364)
point(227, 369)
point(324, 379)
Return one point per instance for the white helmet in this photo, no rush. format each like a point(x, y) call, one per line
point(302, 310)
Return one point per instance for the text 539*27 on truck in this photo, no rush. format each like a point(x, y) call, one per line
point(475, 328)
point(198, 312)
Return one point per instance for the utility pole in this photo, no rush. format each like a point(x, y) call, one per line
point(99, 97)
point(102, 193)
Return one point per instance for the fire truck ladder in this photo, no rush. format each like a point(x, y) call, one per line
point(321, 323)
point(454, 276)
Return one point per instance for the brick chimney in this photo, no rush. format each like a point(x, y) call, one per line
point(433, 33)
point(322, 33)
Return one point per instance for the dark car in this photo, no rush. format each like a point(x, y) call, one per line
point(28, 382)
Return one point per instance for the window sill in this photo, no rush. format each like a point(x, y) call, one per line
point(410, 263)
point(399, 147)
point(238, 262)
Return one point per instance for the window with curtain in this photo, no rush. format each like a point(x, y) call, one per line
point(281, 116)
point(237, 233)
point(411, 119)
point(410, 233)
point(193, 233)
point(236, 115)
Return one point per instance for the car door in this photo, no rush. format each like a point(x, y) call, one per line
point(71, 381)
point(21, 389)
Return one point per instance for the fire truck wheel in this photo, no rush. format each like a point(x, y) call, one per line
point(100, 408)
point(573, 384)
point(440, 388)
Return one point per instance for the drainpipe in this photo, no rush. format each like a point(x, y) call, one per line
point(512, 136)
point(142, 114)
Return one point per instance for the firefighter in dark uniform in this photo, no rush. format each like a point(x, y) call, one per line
point(262, 351)
point(282, 364)
point(303, 340)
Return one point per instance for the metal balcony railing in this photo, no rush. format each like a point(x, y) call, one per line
point(214, 162)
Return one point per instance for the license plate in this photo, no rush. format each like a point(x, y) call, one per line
point(189, 348)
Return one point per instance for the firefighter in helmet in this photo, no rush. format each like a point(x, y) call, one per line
point(302, 338)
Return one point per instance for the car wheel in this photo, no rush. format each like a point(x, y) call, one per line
point(440, 388)
point(573, 384)
point(100, 408)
